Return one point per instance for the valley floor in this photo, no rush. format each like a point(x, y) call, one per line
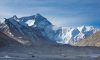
point(50, 53)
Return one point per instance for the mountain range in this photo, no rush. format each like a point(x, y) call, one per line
point(36, 29)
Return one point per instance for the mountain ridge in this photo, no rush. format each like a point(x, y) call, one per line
point(36, 27)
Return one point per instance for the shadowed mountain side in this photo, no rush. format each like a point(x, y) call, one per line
point(36, 30)
point(93, 40)
point(7, 41)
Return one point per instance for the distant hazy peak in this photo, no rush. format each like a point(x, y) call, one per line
point(38, 15)
point(15, 17)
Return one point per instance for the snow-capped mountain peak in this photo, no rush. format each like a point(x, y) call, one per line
point(38, 15)
point(36, 26)
point(85, 28)
point(15, 17)
point(73, 35)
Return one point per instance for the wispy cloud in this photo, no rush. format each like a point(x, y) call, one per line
point(60, 12)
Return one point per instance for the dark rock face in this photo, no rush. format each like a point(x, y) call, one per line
point(17, 29)
point(36, 29)
point(7, 41)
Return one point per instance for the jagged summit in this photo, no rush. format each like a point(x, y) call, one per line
point(38, 15)
point(37, 20)
point(31, 29)
point(15, 17)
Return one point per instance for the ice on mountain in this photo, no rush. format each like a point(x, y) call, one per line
point(63, 35)
point(30, 22)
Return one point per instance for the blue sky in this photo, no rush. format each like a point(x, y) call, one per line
point(59, 12)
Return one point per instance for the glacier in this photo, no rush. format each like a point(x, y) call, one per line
point(36, 27)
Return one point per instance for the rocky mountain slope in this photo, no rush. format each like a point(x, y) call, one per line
point(36, 29)
point(93, 40)
point(7, 41)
